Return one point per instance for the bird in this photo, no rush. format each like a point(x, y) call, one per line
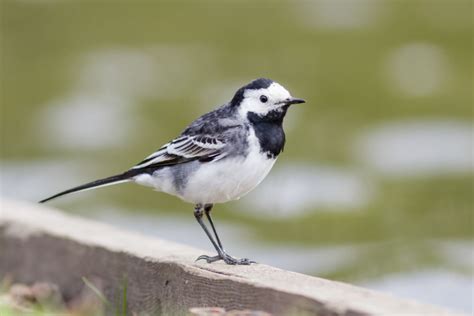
point(219, 157)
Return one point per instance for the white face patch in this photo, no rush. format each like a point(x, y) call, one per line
point(275, 94)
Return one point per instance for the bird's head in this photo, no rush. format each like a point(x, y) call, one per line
point(263, 97)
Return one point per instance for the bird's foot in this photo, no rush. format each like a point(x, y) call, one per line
point(226, 258)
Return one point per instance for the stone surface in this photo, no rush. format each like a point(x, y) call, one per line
point(38, 243)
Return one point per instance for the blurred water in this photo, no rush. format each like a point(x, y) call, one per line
point(429, 286)
point(375, 184)
point(418, 148)
point(29, 181)
point(418, 69)
point(298, 188)
point(339, 15)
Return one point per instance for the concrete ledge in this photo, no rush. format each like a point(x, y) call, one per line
point(41, 244)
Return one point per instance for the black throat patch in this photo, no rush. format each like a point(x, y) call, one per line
point(269, 131)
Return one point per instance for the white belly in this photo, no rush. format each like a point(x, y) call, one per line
point(213, 182)
point(227, 180)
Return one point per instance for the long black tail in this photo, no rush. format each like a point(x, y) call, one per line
point(124, 177)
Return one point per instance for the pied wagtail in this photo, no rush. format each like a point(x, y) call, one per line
point(220, 157)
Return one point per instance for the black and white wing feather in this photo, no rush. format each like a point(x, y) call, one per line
point(209, 138)
point(185, 148)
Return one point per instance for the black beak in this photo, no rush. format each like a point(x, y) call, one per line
point(290, 101)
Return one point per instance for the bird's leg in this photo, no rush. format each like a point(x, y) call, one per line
point(221, 254)
point(198, 215)
point(207, 211)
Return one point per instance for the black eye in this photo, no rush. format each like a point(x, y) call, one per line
point(263, 98)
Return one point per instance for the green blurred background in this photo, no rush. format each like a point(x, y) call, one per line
point(375, 185)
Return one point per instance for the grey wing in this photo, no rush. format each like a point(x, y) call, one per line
point(186, 148)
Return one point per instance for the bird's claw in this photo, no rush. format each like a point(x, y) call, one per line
point(208, 259)
point(227, 259)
